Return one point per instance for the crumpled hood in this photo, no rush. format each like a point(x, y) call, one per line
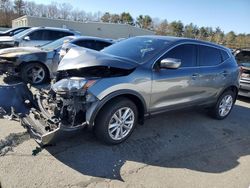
point(19, 51)
point(6, 39)
point(78, 57)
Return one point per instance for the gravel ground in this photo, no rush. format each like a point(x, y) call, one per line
point(177, 149)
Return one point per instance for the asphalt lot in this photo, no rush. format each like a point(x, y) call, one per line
point(177, 149)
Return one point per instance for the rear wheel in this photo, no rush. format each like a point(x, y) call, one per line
point(34, 73)
point(116, 121)
point(224, 105)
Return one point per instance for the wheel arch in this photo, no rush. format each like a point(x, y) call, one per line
point(233, 88)
point(24, 63)
point(131, 95)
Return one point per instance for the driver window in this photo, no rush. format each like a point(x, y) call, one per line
point(36, 35)
point(185, 52)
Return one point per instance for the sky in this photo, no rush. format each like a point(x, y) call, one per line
point(229, 15)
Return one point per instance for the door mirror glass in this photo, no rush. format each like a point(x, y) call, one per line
point(170, 63)
point(27, 38)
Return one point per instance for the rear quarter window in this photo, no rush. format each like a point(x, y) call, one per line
point(209, 56)
point(224, 55)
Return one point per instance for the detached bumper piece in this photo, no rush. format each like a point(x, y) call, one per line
point(44, 131)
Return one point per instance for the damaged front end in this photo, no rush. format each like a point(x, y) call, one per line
point(69, 104)
point(61, 109)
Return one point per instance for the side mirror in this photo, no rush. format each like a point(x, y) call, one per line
point(27, 38)
point(170, 63)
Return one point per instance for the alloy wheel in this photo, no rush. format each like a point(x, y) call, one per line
point(225, 105)
point(35, 74)
point(121, 123)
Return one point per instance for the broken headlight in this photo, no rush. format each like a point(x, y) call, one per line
point(72, 84)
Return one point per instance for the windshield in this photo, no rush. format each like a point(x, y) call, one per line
point(138, 49)
point(57, 43)
point(19, 35)
point(7, 31)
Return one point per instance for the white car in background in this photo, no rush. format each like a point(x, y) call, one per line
point(35, 36)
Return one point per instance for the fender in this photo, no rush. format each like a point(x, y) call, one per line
point(96, 106)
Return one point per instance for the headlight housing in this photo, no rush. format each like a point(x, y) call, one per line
point(72, 84)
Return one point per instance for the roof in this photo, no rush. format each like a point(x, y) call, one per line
point(93, 38)
point(182, 39)
point(52, 28)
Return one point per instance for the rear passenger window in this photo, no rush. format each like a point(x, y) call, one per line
point(99, 45)
point(186, 53)
point(86, 43)
point(54, 35)
point(209, 56)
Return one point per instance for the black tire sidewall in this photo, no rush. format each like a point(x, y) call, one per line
point(104, 116)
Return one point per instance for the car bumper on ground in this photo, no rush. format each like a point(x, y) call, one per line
point(38, 131)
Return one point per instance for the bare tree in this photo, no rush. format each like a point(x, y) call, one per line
point(30, 8)
point(19, 7)
point(6, 13)
point(65, 9)
point(53, 10)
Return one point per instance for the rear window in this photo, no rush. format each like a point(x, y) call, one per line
point(209, 56)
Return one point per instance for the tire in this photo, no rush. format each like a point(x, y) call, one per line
point(107, 125)
point(34, 73)
point(224, 105)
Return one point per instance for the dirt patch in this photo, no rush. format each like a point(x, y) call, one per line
point(12, 140)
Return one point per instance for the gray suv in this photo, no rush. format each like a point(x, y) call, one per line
point(117, 88)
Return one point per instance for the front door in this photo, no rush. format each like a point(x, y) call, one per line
point(176, 88)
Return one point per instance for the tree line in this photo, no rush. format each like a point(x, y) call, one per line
point(11, 9)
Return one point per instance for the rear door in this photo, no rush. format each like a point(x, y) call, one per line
point(177, 88)
point(213, 73)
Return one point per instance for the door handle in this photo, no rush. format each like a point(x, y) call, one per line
point(195, 75)
point(224, 73)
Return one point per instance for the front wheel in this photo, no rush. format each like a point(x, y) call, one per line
point(116, 121)
point(224, 105)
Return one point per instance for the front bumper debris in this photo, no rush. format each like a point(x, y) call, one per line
point(44, 124)
point(38, 129)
